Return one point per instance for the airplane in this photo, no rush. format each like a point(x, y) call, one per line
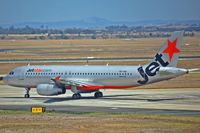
point(50, 80)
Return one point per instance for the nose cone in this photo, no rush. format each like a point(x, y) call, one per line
point(4, 79)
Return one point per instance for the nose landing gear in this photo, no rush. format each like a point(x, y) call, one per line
point(27, 95)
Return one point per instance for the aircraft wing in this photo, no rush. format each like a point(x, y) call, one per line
point(82, 84)
point(74, 82)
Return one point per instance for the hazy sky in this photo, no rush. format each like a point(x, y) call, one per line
point(12, 11)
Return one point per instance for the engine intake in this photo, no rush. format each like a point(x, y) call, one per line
point(49, 90)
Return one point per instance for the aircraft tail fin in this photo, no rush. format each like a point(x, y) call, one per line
point(168, 55)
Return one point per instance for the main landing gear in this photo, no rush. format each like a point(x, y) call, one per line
point(76, 96)
point(98, 94)
point(27, 93)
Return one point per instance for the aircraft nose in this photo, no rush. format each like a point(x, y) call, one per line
point(4, 79)
point(1, 78)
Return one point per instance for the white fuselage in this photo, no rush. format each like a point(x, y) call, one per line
point(107, 76)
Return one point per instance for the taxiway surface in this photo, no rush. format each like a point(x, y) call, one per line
point(180, 101)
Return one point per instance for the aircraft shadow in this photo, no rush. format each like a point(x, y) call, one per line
point(144, 99)
point(113, 97)
point(126, 97)
point(52, 100)
point(107, 97)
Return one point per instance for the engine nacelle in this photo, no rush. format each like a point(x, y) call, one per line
point(49, 90)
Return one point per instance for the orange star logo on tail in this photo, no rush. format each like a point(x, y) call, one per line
point(171, 49)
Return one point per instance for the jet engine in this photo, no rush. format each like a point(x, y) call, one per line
point(49, 90)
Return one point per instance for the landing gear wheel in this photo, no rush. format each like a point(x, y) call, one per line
point(27, 93)
point(98, 94)
point(76, 96)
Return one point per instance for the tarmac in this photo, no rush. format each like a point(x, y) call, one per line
point(177, 101)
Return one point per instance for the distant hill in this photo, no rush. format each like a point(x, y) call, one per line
point(96, 22)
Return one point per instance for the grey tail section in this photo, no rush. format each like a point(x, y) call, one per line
point(170, 51)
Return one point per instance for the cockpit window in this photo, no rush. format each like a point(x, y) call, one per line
point(11, 73)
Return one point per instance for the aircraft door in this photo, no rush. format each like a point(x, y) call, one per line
point(21, 74)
